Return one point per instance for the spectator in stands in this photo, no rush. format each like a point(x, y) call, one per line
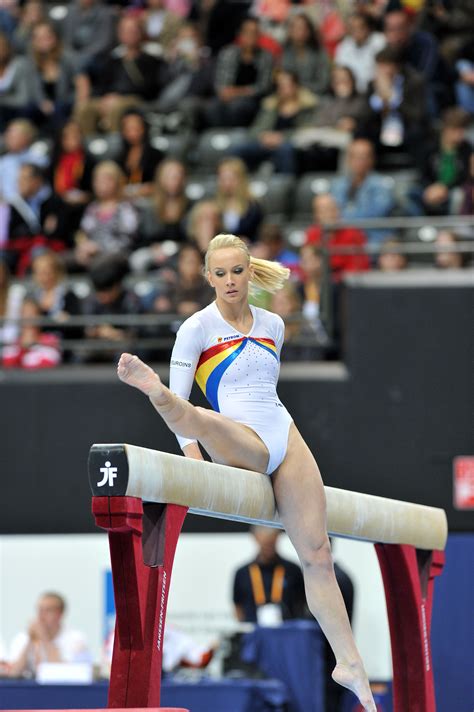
point(391, 257)
point(18, 140)
point(32, 13)
point(243, 77)
point(362, 193)
point(326, 214)
point(302, 339)
point(289, 108)
point(305, 56)
point(185, 291)
point(272, 240)
point(37, 218)
point(127, 78)
point(163, 217)
point(398, 117)
point(8, 17)
point(11, 298)
point(268, 585)
point(311, 279)
point(110, 297)
point(138, 158)
point(336, 118)
point(465, 77)
point(344, 108)
point(374, 10)
point(446, 167)
point(160, 25)
point(188, 82)
point(241, 213)
point(451, 22)
point(110, 223)
point(34, 348)
point(14, 84)
point(88, 32)
point(204, 223)
point(71, 171)
point(51, 294)
point(47, 639)
point(218, 20)
point(52, 72)
point(444, 259)
point(419, 50)
point(359, 49)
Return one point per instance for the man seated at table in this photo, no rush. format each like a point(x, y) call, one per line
point(47, 639)
point(269, 589)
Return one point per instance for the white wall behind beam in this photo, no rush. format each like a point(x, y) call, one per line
point(200, 598)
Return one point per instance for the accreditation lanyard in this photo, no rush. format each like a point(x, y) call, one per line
point(258, 589)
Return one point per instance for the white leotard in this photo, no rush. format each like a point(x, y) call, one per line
point(238, 373)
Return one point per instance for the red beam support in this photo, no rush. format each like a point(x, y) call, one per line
point(408, 577)
point(142, 540)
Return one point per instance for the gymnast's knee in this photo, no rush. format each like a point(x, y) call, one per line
point(316, 555)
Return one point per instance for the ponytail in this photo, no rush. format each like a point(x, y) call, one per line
point(270, 276)
point(267, 275)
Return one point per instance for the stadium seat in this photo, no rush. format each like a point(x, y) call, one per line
point(294, 233)
point(215, 144)
point(201, 187)
point(307, 187)
point(42, 148)
point(401, 182)
point(176, 145)
point(274, 193)
point(104, 146)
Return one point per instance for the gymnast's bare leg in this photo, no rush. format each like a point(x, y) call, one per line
point(301, 502)
point(300, 497)
point(226, 441)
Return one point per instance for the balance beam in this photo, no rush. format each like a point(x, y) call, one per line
point(242, 495)
point(141, 497)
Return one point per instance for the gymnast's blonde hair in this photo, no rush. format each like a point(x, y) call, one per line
point(270, 276)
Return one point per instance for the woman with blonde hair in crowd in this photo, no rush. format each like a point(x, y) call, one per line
point(289, 108)
point(110, 223)
point(241, 213)
point(205, 221)
point(233, 350)
point(49, 288)
point(162, 218)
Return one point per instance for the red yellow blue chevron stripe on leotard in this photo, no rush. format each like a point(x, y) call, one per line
point(216, 360)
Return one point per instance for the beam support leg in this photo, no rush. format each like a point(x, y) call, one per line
point(408, 577)
point(142, 540)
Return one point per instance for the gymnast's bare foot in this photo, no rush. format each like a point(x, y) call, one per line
point(354, 678)
point(134, 372)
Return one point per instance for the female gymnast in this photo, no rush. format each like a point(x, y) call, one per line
point(232, 349)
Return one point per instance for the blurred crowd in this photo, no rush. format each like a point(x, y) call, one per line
point(132, 133)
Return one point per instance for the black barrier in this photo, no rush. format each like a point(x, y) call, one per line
point(390, 424)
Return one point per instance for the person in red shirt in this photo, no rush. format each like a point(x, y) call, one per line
point(326, 213)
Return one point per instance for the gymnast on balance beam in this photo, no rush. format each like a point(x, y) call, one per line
point(232, 349)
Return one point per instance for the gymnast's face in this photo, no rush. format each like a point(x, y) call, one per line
point(229, 273)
